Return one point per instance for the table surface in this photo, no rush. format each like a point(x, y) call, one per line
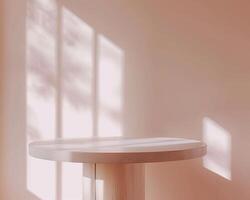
point(118, 150)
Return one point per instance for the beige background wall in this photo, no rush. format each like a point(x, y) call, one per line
point(184, 61)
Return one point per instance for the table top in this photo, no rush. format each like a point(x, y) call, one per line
point(118, 150)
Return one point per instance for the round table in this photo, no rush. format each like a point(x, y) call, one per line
point(117, 162)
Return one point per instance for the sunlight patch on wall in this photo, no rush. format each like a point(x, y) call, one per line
point(87, 188)
point(40, 92)
point(218, 140)
point(99, 189)
point(77, 76)
point(72, 181)
point(74, 89)
point(110, 83)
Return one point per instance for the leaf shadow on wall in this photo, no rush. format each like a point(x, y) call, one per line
point(74, 89)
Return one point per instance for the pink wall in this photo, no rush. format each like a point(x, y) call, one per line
point(184, 62)
point(203, 72)
point(1, 91)
point(13, 162)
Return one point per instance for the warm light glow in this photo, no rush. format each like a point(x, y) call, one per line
point(110, 83)
point(218, 140)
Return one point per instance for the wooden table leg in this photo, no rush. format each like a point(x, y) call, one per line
point(115, 181)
